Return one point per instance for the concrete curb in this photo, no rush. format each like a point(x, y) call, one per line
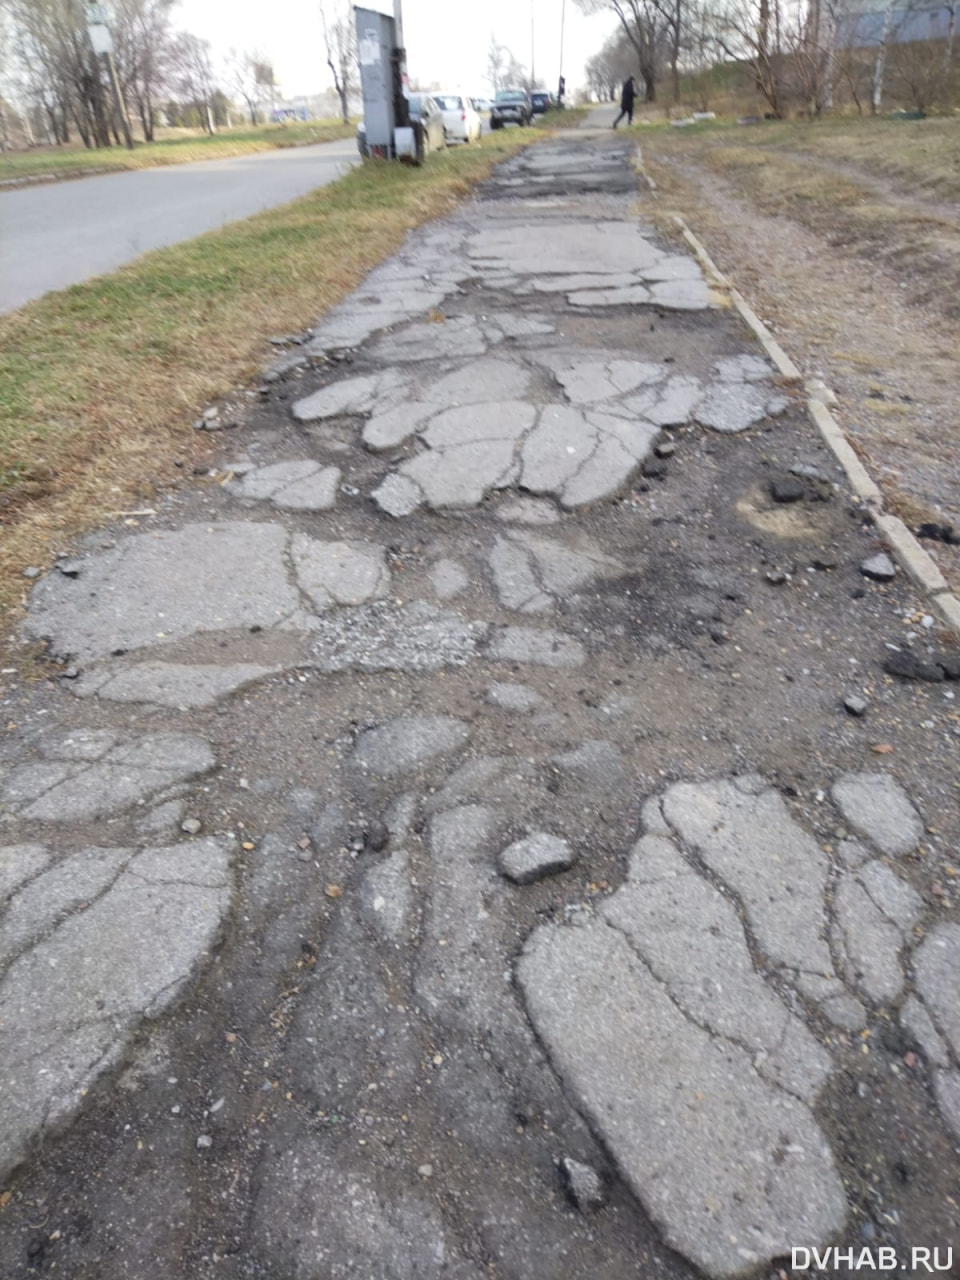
point(917, 563)
point(37, 179)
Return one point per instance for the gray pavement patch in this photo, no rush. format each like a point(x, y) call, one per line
point(733, 407)
point(915, 1019)
point(491, 421)
point(478, 382)
point(516, 583)
point(60, 788)
point(349, 396)
point(397, 496)
point(448, 578)
point(388, 897)
point(339, 573)
point(595, 762)
point(564, 248)
point(170, 684)
point(937, 968)
point(633, 295)
point(731, 1169)
point(512, 697)
point(946, 1089)
point(463, 474)
point(745, 834)
point(588, 380)
point(74, 999)
point(744, 368)
point(19, 863)
point(495, 780)
point(879, 809)
point(165, 586)
point(511, 324)
point(406, 744)
point(692, 940)
point(875, 912)
point(301, 485)
point(388, 637)
point(389, 428)
point(530, 511)
point(670, 405)
point(459, 337)
point(540, 648)
point(535, 857)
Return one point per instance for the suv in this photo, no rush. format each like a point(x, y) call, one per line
point(540, 101)
point(511, 106)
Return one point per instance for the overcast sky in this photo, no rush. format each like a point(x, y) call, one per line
point(447, 40)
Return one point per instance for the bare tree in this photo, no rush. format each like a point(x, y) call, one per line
point(340, 41)
point(608, 69)
point(143, 47)
point(755, 31)
point(251, 76)
point(192, 74)
point(642, 22)
point(504, 70)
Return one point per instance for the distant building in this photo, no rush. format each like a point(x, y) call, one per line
point(861, 23)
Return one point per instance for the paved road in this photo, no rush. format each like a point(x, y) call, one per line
point(56, 235)
point(506, 827)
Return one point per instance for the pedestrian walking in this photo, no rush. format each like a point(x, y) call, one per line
point(627, 99)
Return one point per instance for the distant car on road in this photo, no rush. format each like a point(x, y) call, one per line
point(511, 106)
point(540, 101)
point(423, 111)
point(460, 121)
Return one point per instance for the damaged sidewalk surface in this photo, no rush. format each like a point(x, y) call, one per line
point(451, 853)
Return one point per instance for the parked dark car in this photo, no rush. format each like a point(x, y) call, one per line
point(423, 110)
point(511, 106)
point(540, 101)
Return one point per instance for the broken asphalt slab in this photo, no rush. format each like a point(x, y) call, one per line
point(450, 853)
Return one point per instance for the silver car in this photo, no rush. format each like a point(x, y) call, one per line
point(423, 111)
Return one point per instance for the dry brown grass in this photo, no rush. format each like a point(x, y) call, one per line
point(99, 384)
point(885, 189)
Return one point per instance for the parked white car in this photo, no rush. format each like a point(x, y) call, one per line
point(461, 123)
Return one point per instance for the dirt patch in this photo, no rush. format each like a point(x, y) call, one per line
point(881, 343)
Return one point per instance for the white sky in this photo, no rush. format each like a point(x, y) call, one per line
point(447, 40)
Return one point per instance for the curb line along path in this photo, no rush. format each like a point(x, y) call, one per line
point(475, 833)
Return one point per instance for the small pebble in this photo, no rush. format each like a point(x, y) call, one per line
point(854, 704)
point(32, 572)
point(204, 1142)
point(191, 826)
point(425, 1171)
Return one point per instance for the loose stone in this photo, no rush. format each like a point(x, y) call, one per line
point(786, 489)
point(535, 857)
point(879, 567)
point(582, 1184)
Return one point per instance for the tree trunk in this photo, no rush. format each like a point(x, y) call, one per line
point(877, 96)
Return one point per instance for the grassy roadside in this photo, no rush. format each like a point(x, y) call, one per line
point(99, 384)
point(183, 150)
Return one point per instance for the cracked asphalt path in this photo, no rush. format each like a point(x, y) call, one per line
point(442, 847)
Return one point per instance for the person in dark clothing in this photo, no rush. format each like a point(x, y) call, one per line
point(627, 99)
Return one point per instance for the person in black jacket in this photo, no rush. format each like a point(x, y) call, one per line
point(627, 99)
